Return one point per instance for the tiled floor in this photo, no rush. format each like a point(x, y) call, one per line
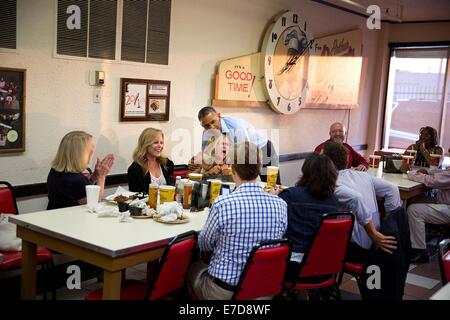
point(135, 273)
point(422, 282)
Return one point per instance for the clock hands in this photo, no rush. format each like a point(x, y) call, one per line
point(293, 59)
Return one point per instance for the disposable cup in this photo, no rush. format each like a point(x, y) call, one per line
point(92, 195)
point(166, 194)
point(374, 160)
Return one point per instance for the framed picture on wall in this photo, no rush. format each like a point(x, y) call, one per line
point(144, 100)
point(12, 109)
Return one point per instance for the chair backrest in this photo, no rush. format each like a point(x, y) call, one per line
point(382, 153)
point(444, 260)
point(171, 272)
point(7, 199)
point(264, 272)
point(326, 255)
point(180, 170)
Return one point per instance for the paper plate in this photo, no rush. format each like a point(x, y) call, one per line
point(178, 221)
point(142, 217)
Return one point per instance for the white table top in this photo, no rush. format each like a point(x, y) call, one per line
point(398, 179)
point(106, 235)
point(442, 294)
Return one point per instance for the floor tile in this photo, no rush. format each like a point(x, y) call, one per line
point(350, 286)
point(421, 281)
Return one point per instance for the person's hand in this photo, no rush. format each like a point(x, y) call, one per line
point(225, 169)
point(422, 147)
point(214, 171)
point(361, 167)
point(386, 243)
point(102, 167)
point(194, 164)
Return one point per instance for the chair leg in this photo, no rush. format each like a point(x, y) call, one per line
point(440, 238)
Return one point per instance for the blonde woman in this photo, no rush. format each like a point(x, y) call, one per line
point(148, 163)
point(67, 179)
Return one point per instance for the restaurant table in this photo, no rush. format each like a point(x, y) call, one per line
point(442, 294)
point(407, 188)
point(104, 242)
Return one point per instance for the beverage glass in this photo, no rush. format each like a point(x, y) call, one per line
point(374, 161)
point(195, 176)
point(214, 189)
point(435, 159)
point(92, 195)
point(411, 152)
point(152, 195)
point(408, 161)
point(166, 194)
point(272, 175)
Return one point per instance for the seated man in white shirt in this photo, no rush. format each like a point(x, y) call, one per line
point(358, 191)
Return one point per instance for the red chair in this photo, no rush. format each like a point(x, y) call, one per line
point(324, 260)
point(264, 272)
point(383, 153)
point(180, 170)
point(444, 261)
point(12, 260)
point(169, 276)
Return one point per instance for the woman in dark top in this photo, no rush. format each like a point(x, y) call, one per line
point(149, 165)
point(426, 145)
point(67, 180)
point(312, 197)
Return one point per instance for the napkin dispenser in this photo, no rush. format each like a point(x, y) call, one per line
point(392, 163)
point(200, 195)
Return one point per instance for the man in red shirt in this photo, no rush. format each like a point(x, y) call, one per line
point(337, 134)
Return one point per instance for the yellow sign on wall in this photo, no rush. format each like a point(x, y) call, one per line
point(239, 79)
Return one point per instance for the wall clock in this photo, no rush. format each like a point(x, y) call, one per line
point(284, 59)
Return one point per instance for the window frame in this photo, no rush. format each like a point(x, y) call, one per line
point(417, 45)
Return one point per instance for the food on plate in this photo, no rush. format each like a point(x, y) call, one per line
point(121, 198)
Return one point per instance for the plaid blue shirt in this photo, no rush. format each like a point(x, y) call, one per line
point(236, 223)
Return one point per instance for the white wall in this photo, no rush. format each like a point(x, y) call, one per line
point(203, 32)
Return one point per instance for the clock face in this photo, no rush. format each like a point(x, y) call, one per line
point(285, 57)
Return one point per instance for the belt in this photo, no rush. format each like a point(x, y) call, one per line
point(223, 284)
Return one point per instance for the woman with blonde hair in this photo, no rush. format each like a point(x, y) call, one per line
point(149, 166)
point(66, 181)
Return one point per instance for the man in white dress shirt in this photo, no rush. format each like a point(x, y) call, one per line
point(358, 191)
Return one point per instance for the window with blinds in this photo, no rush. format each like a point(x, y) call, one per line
point(8, 18)
point(87, 28)
point(146, 30)
point(72, 28)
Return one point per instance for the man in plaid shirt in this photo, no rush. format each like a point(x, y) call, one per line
point(236, 223)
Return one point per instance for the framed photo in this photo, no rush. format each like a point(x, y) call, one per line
point(12, 110)
point(144, 100)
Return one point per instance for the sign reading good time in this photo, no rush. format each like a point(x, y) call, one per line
point(239, 79)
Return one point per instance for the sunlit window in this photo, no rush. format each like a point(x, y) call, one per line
point(415, 96)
